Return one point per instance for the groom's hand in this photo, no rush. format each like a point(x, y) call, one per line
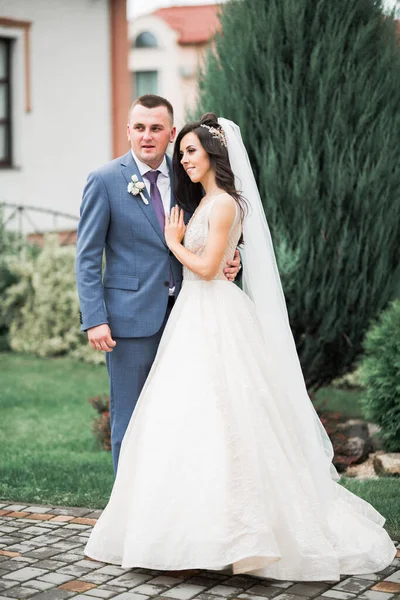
point(233, 267)
point(100, 338)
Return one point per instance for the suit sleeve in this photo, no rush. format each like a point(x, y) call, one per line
point(91, 238)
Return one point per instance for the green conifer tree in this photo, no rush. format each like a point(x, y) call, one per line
point(314, 86)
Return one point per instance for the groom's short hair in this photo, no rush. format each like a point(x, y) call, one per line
point(153, 101)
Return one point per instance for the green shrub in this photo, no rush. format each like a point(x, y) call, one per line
point(380, 374)
point(315, 89)
point(44, 305)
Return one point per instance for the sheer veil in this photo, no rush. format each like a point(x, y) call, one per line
point(261, 282)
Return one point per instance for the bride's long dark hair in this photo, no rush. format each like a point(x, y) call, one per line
point(189, 194)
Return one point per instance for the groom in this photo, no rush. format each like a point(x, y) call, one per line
point(125, 311)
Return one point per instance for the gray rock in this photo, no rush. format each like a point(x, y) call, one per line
point(387, 464)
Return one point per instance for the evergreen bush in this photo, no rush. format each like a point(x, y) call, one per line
point(45, 306)
point(315, 89)
point(380, 374)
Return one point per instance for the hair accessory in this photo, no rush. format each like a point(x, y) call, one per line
point(216, 133)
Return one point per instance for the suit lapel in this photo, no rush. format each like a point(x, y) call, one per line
point(129, 168)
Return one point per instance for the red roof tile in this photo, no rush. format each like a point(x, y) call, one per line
point(195, 24)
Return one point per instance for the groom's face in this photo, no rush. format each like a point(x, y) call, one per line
point(150, 130)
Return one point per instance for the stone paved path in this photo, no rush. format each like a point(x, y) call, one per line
point(41, 558)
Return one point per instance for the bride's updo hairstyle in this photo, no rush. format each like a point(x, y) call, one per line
point(212, 138)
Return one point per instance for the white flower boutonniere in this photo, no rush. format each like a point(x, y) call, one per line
point(135, 187)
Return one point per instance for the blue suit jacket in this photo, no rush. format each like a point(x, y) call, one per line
point(133, 294)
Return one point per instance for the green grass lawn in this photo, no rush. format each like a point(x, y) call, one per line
point(49, 454)
point(48, 451)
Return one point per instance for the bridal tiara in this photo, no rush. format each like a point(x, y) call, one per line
point(216, 133)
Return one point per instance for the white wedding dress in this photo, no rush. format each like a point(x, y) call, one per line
point(212, 470)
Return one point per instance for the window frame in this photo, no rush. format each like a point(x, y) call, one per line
point(6, 162)
point(138, 44)
point(136, 75)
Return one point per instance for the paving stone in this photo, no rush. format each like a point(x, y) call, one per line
point(76, 526)
point(371, 595)
point(281, 584)
point(354, 585)
point(46, 540)
point(94, 514)
point(77, 586)
point(116, 589)
point(5, 585)
point(61, 519)
point(89, 564)
point(113, 570)
point(7, 529)
point(17, 507)
point(37, 509)
point(395, 577)
point(313, 589)
point(34, 530)
point(56, 578)
point(98, 593)
point(248, 596)
point(204, 581)
point(66, 545)
point(50, 565)
point(183, 591)
point(95, 577)
point(263, 591)
point(241, 581)
point(166, 581)
point(226, 591)
point(21, 592)
point(8, 539)
point(41, 517)
point(129, 596)
point(148, 589)
point(130, 579)
point(387, 586)
point(338, 594)
point(84, 521)
point(13, 564)
point(72, 569)
point(6, 554)
point(54, 594)
point(43, 552)
point(70, 511)
point(25, 574)
point(27, 560)
point(288, 597)
point(38, 585)
point(68, 557)
point(370, 576)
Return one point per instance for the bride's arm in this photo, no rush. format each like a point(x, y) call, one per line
point(221, 220)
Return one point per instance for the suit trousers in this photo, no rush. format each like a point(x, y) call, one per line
point(128, 366)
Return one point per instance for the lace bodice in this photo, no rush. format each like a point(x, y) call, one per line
point(196, 238)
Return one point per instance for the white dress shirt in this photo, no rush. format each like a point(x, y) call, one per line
point(163, 180)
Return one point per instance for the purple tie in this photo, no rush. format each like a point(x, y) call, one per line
point(158, 206)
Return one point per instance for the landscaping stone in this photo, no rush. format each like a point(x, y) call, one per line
point(387, 464)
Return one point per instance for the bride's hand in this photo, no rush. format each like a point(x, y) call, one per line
point(174, 227)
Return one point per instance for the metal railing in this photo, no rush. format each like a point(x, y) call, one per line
point(22, 218)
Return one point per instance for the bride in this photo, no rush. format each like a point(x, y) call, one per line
point(225, 461)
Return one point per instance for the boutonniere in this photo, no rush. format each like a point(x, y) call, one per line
point(135, 187)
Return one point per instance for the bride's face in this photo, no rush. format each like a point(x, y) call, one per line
point(194, 158)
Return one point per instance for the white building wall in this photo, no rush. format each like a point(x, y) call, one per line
point(176, 64)
point(68, 132)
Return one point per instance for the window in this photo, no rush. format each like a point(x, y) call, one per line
point(146, 40)
point(145, 82)
point(5, 102)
